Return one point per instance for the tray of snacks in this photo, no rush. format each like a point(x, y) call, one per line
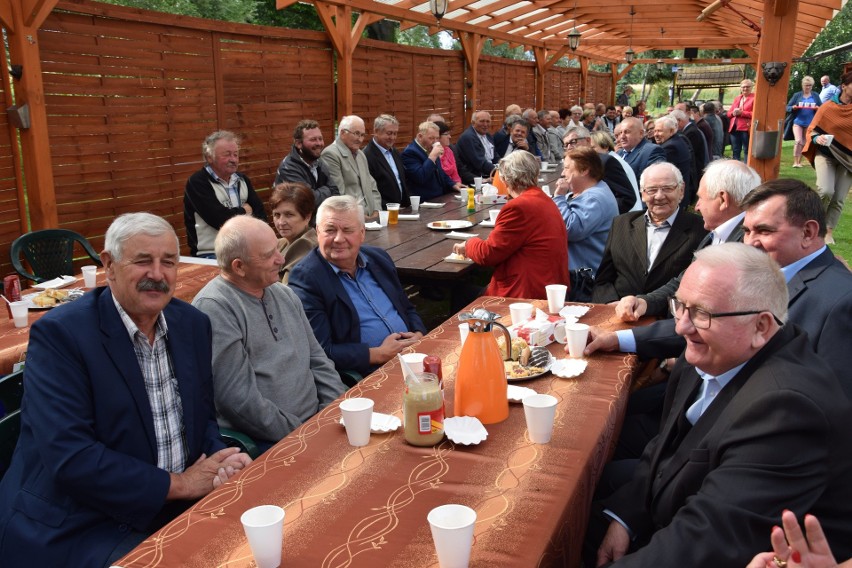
point(50, 298)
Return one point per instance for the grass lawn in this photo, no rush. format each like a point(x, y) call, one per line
point(843, 231)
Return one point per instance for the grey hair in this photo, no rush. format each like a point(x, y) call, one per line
point(514, 119)
point(603, 139)
point(576, 108)
point(476, 112)
point(543, 113)
point(426, 126)
point(668, 121)
point(383, 121)
point(731, 176)
point(759, 284)
point(210, 142)
point(671, 169)
point(232, 240)
point(519, 170)
point(581, 131)
point(678, 115)
point(130, 225)
point(808, 79)
point(340, 204)
point(346, 123)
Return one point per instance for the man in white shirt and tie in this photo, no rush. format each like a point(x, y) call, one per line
point(385, 162)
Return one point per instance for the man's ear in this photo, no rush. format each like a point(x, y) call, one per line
point(108, 262)
point(765, 328)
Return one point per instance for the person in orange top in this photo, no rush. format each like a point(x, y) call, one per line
point(740, 115)
point(529, 244)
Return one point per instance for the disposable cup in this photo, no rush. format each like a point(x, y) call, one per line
point(357, 416)
point(415, 203)
point(540, 410)
point(555, 297)
point(452, 532)
point(393, 213)
point(383, 218)
point(520, 312)
point(546, 190)
point(492, 213)
point(829, 138)
point(414, 361)
point(464, 329)
point(477, 184)
point(264, 527)
point(90, 275)
point(577, 334)
point(559, 333)
point(20, 313)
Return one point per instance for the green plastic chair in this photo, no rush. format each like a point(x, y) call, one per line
point(234, 439)
point(11, 393)
point(49, 252)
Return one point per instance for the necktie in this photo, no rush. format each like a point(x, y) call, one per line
point(711, 389)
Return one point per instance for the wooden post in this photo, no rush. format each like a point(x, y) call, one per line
point(544, 61)
point(613, 69)
point(24, 18)
point(779, 25)
point(584, 79)
point(472, 48)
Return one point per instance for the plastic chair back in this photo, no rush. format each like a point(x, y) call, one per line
point(49, 252)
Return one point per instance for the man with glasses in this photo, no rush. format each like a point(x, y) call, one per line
point(348, 166)
point(613, 176)
point(755, 422)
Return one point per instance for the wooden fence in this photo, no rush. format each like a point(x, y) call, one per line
point(131, 94)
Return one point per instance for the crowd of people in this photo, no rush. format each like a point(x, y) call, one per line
point(120, 434)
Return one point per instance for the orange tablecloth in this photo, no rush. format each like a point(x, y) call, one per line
point(367, 506)
point(13, 341)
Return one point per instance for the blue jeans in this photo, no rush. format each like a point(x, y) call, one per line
point(739, 143)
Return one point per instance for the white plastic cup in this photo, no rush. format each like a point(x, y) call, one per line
point(414, 361)
point(357, 417)
point(90, 275)
point(492, 213)
point(540, 410)
point(383, 218)
point(555, 297)
point(546, 190)
point(477, 184)
point(452, 531)
point(577, 334)
point(415, 203)
point(559, 333)
point(264, 527)
point(20, 313)
point(521, 312)
point(464, 329)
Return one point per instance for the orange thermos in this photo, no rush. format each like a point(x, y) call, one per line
point(480, 387)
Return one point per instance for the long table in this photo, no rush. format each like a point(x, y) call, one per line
point(418, 252)
point(192, 275)
point(348, 506)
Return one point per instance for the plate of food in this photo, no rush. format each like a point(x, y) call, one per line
point(526, 362)
point(50, 298)
point(449, 225)
point(457, 258)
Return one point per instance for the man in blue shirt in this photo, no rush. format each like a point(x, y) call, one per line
point(351, 293)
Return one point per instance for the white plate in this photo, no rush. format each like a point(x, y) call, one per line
point(382, 423)
point(517, 394)
point(465, 430)
point(451, 225)
point(533, 376)
point(574, 311)
point(28, 298)
point(452, 259)
point(488, 223)
point(568, 368)
point(373, 226)
point(60, 282)
point(429, 205)
point(460, 236)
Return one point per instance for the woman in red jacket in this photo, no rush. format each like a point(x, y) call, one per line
point(740, 117)
point(529, 244)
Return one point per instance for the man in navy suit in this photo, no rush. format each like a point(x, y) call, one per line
point(475, 146)
point(422, 162)
point(635, 149)
point(385, 162)
point(677, 148)
point(351, 293)
point(118, 432)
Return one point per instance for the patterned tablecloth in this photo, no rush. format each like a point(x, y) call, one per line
point(13, 341)
point(348, 506)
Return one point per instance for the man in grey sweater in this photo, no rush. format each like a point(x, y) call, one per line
point(269, 372)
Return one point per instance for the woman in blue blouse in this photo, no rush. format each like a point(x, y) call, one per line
point(803, 105)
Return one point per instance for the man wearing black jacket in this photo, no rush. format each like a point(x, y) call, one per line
point(303, 164)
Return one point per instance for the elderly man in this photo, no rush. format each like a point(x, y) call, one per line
point(515, 138)
point(348, 165)
point(118, 433)
point(351, 293)
point(303, 164)
point(385, 163)
point(755, 422)
point(715, 123)
point(556, 124)
point(635, 149)
point(269, 372)
point(828, 91)
point(678, 149)
point(615, 170)
point(624, 98)
point(216, 192)
point(646, 250)
point(698, 143)
point(475, 146)
point(422, 162)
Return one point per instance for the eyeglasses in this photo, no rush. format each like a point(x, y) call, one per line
point(569, 143)
point(666, 189)
point(354, 133)
point(701, 319)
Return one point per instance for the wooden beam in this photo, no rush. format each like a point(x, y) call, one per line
point(6, 17)
point(614, 77)
point(584, 79)
point(626, 70)
point(36, 11)
point(17, 165)
point(709, 42)
point(718, 61)
point(779, 25)
point(472, 48)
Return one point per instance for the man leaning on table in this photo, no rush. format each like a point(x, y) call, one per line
point(269, 372)
point(118, 433)
point(755, 422)
point(422, 162)
point(351, 293)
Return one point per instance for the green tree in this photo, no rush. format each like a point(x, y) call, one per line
point(228, 10)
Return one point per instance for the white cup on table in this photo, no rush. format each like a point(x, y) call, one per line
point(555, 297)
point(464, 329)
point(492, 214)
point(539, 411)
point(520, 312)
point(414, 361)
point(357, 418)
point(477, 184)
point(264, 528)
point(20, 313)
point(415, 203)
point(452, 531)
point(577, 335)
point(383, 218)
point(90, 275)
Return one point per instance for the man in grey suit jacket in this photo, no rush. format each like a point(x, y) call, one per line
point(755, 423)
point(348, 167)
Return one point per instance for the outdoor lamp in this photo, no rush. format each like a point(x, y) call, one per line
point(628, 55)
point(574, 39)
point(438, 8)
point(660, 64)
